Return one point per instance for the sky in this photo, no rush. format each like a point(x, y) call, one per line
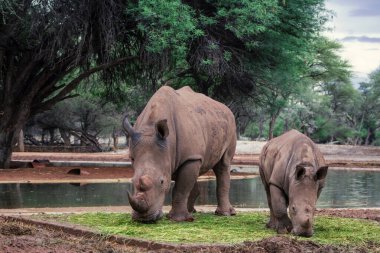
point(356, 25)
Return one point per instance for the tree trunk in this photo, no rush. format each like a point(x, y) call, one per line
point(43, 136)
point(65, 135)
point(6, 140)
point(286, 125)
point(12, 120)
point(272, 122)
point(261, 128)
point(21, 146)
point(115, 140)
point(370, 136)
point(51, 134)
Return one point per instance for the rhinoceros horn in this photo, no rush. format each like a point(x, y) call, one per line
point(137, 205)
point(127, 126)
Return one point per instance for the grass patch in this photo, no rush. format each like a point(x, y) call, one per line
point(345, 231)
point(208, 228)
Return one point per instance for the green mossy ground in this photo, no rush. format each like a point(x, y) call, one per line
point(208, 228)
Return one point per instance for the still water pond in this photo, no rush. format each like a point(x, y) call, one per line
point(343, 189)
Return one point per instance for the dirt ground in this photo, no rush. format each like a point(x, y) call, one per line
point(72, 174)
point(79, 174)
point(18, 237)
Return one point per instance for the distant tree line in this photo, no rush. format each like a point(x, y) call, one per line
point(344, 115)
point(266, 60)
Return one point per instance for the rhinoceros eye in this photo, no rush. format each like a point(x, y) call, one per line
point(300, 172)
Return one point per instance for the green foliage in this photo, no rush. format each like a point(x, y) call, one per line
point(7, 7)
point(377, 141)
point(252, 130)
point(82, 117)
point(326, 65)
point(370, 92)
point(247, 18)
point(208, 228)
point(324, 129)
point(267, 55)
point(167, 24)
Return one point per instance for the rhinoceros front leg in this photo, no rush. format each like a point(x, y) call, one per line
point(271, 223)
point(185, 180)
point(281, 221)
point(192, 198)
point(222, 174)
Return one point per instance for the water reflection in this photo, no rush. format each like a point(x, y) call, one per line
point(343, 189)
point(351, 189)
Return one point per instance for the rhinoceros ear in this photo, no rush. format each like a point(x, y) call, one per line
point(162, 129)
point(300, 172)
point(127, 127)
point(321, 173)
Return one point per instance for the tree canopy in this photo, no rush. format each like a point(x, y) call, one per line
point(265, 59)
point(47, 48)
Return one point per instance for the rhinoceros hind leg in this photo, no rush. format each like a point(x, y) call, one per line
point(222, 174)
point(192, 198)
point(186, 179)
point(281, 220)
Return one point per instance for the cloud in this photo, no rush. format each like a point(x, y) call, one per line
point(370, 12)
point(360, 39)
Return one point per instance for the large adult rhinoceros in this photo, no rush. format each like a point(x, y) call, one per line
point(293, 172)
point(179, 135)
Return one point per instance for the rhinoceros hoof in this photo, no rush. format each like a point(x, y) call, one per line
point(271, 224)
point(282, 230)
point(228, 212)
point(284, 227)
point(180, 217)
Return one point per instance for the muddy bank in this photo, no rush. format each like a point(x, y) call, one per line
point(247, 153)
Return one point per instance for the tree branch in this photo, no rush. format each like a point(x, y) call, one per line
point(46, 107)
point(74, 83)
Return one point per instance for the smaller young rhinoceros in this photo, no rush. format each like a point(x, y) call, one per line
point(293, 172)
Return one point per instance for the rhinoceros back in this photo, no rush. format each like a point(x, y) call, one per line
point(200, 127)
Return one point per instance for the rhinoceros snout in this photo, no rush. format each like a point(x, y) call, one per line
point(303, 227)
point(147, 218)
point(303, 232)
